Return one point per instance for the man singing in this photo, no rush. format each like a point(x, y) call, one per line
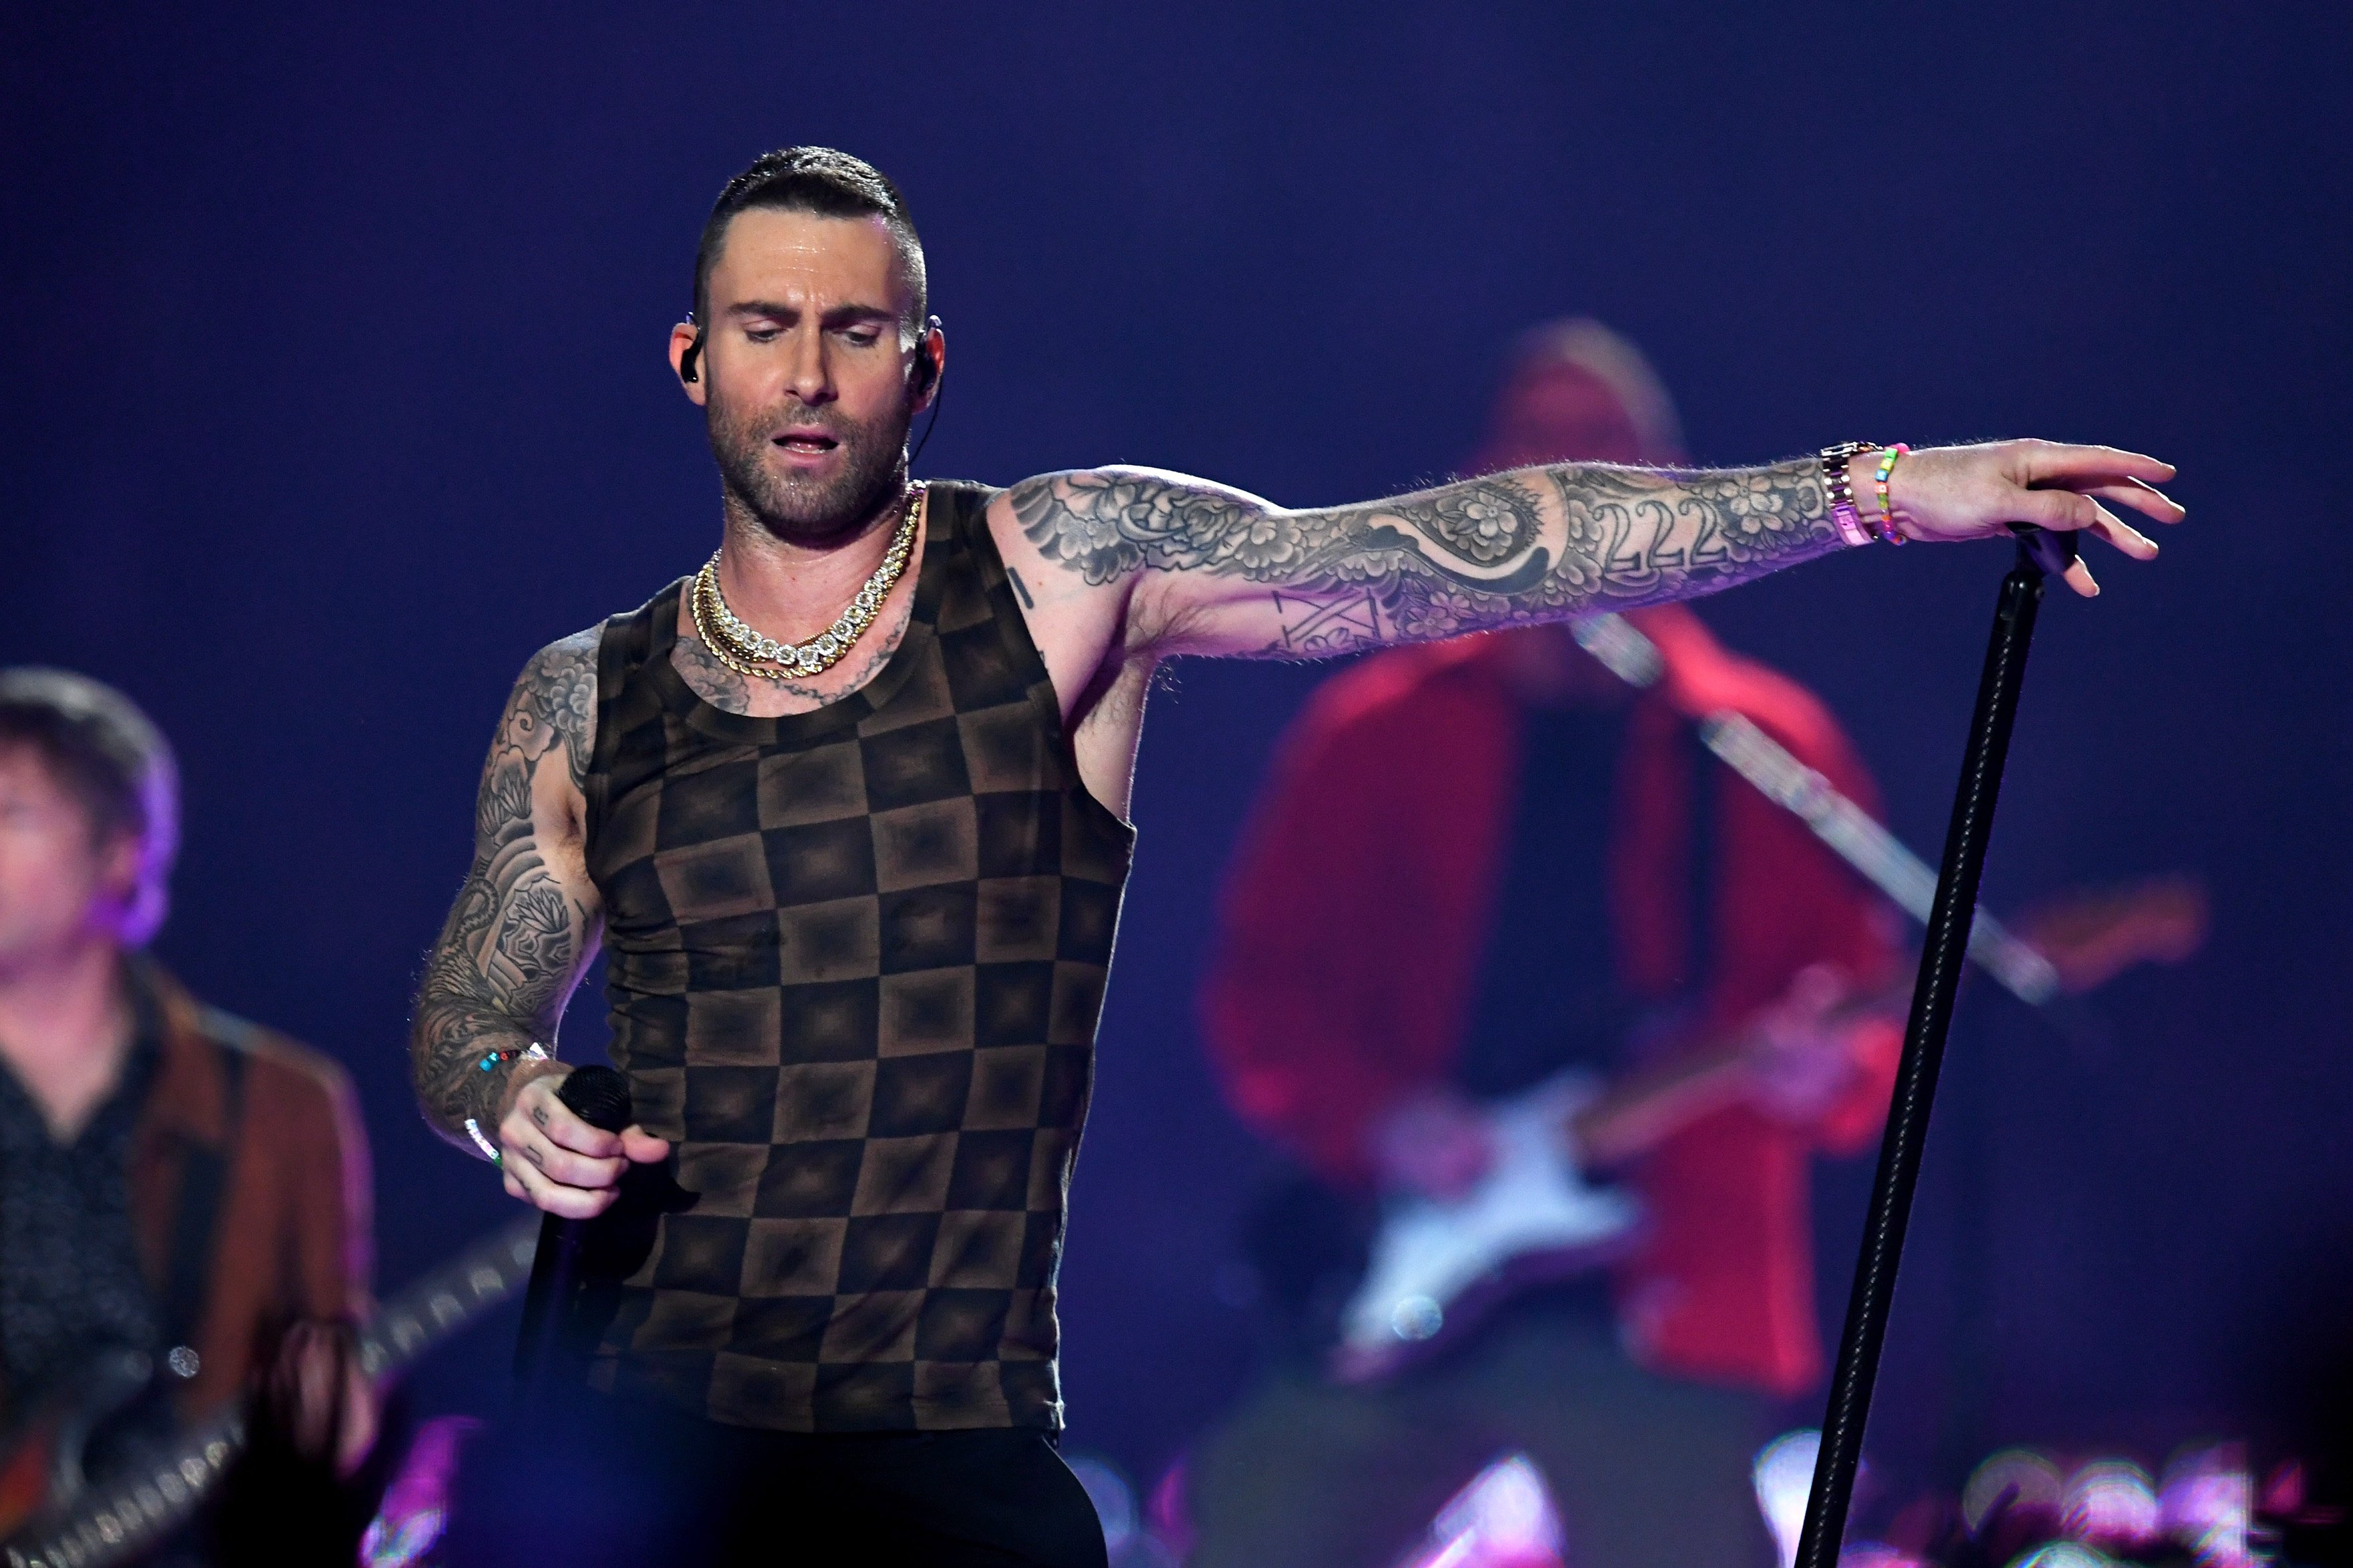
point(1479, 864)
point(173, 1183)
point(846, 809)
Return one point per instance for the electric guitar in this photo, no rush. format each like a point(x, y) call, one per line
point(1438, 1265)
point(52, 1515)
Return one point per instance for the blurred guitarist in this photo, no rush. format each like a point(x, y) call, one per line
point(174, 1182)
point(1479, 863)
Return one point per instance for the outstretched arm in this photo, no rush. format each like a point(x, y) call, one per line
point(522, 930)
point(1208, 570)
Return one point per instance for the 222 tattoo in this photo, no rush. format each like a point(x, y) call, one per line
point(1533, 544)
point(515, 941)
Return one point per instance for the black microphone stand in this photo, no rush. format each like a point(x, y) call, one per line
point(1941, 963)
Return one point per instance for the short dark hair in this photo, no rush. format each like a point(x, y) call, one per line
point(813, 180)
point(111, 757)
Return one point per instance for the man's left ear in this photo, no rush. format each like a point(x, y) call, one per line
point(931, 359)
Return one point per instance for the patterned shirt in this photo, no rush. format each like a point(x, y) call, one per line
point(71, 1282)
point(856, 958)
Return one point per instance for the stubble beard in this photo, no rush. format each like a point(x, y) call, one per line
point(801, 508)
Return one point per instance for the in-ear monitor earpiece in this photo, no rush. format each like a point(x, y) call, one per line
point(925, 369)
point(924, 378)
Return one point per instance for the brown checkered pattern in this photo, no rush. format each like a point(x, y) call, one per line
point(856, 959)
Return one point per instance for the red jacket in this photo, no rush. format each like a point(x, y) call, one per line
point(1357, 915)
point(295, 1227)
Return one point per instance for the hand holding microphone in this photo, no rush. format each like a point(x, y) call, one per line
point(568, 1121)
point(565, 1162)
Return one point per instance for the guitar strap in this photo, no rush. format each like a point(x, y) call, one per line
point(204, 1178)
point(1849, 832)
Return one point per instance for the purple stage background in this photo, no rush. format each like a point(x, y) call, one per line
point(334, 388)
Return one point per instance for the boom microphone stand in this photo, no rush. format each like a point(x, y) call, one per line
point(1941, 963)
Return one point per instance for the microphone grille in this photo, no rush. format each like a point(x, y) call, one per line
point(598, 1096)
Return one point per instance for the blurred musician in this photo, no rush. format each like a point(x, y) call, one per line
point(174, 1182)
point(1480, 863)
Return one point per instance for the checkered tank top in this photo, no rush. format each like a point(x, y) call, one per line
point(855, 960)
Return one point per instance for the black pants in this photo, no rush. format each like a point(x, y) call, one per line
point(585, 1481)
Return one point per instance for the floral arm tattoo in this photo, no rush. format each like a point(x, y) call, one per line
point(1533, 544)
point(518, 936)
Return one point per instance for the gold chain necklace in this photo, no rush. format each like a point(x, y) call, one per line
point(746, 652)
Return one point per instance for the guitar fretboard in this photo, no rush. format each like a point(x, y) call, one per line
point(120, 1517)
point(447, 1299)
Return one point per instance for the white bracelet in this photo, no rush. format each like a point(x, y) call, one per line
point(489, 1151)
point(535, 1052)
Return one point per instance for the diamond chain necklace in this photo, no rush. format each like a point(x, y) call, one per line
point(746, 652)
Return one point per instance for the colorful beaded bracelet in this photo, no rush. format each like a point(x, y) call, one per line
point(1883, 527)
point(534, 1052)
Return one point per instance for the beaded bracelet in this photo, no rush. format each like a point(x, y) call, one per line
point(490, 1150)
point(534, 1052)
point(1883, 527)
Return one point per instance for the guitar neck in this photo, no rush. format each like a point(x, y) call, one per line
point(121, 1518)
point(2082, 941)
point(447, 1299)
point(1649, 1106)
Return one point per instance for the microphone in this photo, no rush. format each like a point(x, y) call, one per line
point(600, 1097)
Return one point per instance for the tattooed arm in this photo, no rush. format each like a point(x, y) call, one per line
point(1199, 568)
point(523, 927)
